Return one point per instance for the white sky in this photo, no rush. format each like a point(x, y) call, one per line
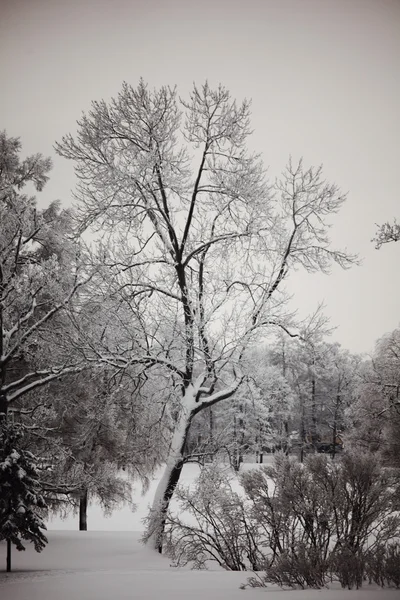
point(323, 76)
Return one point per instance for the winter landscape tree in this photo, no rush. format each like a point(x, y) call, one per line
point(103, 427)
point(40, 274)
point(198, 254)
point(376, 410)
point(22, 505)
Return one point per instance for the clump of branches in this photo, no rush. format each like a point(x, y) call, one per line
point(303, 525)
point(213, 524)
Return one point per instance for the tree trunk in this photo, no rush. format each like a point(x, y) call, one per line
point(334, 430)
point(83, 504)
point(302, 430)
point(8, 556)
point(313, 414)
point(235, 462)
point(286, 433)
point(241, 429)
point(190, 406)
point(170, 479)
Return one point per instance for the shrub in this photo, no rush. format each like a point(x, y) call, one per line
point(301, 566)
point(348, 565)
point(383, 565)
point(301, 524)
point(216, 526)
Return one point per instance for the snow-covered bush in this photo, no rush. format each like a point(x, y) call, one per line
point(301, 566)
point(216, 526)
point(320, 517)
point(303, 524)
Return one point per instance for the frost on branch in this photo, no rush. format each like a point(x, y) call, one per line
point(388, 232)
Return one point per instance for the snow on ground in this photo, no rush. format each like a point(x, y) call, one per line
point(109, 562)
point(105, 565)
point(124, 519)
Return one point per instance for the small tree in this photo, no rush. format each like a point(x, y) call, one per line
point(21, 500)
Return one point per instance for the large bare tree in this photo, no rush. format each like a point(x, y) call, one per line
point(193, 241)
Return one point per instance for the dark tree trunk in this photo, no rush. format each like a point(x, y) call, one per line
point(167, 485)
point(334, 433)
point(241, 429)
point(286, 442)
point(313, 414)
point(334, 430)
point(302, 430)
point(8, 556)
point(286, 447)
point(235, 463)
point(172, 483)
point(83, 504)
point(3, 407)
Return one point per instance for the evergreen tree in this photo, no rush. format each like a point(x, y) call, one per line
point(21, 502)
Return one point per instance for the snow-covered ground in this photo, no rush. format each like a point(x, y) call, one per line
point(124, 519)
point(105, 565)
point(109, 562)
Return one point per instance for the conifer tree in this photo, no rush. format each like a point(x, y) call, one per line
point(21, 502)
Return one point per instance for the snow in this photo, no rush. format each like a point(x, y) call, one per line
point(99, 565)
point(109, 561)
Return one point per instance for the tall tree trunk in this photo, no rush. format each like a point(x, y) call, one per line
point(313, 414)
point(8, 556)
point(83, 504)
point(334, 434)
point(335, 419)
point(235, 463)
point(302, 429)
point(286, 448)
point(241, 429)
point(190, 406)
point(169, 479)
point(286, 442)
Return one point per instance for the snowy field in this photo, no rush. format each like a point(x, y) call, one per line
point(105, 565)
point(109, 563)
point(126, 520)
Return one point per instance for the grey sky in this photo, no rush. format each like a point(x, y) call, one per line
point(323, 76)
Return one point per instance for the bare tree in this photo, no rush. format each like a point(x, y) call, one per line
point(193, 240)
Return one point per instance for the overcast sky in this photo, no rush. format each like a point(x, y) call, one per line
point(323, 75)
